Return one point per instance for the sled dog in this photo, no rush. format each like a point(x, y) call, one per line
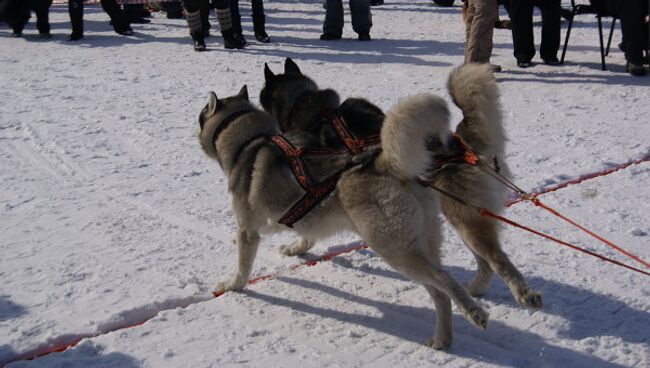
point(380, 198)
point(295, 100)
point(474, 90)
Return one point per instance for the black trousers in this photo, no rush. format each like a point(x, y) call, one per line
point(76, 10)
point(521, 14)
point(42, 10)
point(635, 30)
point(17, 13)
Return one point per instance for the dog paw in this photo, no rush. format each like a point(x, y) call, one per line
point(438, 344)
point(228, 285)
point(530, 299)
point(478, 316)
point(293, 249)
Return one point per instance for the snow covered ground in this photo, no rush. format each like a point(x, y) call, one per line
point(110, 213)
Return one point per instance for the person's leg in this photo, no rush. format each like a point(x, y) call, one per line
point(634, 28)
point(16, 14)
point(193, 16)
point(204, 9)
point(259, 21)
point(236, 16)
point(521, 14)
point(333, 25)
point(173, 9)
point(551, 25)
point(76, 11)
point(42, 10)
point(134, 13)
point(227, 25)
point(361, 18)
point(635, 33)
point(120, 23)
point(481, 17)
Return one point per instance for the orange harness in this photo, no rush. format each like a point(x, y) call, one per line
point(317, 191)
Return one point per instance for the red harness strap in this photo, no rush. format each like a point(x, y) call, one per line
point(354, 145)
point(315, 192)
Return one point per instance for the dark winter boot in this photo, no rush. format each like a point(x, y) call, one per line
point(262, 37)
point(231, 39)
point(199, 44)
point(196, 30)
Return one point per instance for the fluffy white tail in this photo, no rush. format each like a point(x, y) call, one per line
point(474, 90)
point(408, 128)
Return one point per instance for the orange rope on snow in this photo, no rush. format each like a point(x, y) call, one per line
point(524, 196)
point(590, 176)
point(539, 203)
point(488, 213)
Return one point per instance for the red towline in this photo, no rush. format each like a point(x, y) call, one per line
point(64, 345)
point(74, 340)
point(585, 177)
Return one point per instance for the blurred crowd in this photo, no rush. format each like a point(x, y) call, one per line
point(481, 17)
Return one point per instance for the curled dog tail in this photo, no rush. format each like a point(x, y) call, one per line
point(474, 90)
point(408, 129)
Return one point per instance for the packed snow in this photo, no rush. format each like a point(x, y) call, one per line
point(111, 214)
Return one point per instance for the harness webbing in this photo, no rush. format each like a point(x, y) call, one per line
point(355, 145)
point(316, 192)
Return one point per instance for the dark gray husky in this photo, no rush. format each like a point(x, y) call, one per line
point(295, 100)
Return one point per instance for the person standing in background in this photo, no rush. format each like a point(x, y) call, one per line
point(16, 14)
point(521, 14)
point(361, 19)
point(479, 17)
point(197, 13)
point(259, 19)
point(76, 10)
point(634, 27)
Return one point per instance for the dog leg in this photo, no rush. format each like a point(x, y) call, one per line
point(297, 248)
point(429, 275)
point(481, 236)
point(406, 258)
point(393, 224)
point(442, 338)
point(247, 243)
point(481, 280)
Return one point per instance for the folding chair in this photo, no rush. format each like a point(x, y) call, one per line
point(579, 9)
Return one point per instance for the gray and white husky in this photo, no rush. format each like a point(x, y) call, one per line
point(380, 198)
point(474, 90)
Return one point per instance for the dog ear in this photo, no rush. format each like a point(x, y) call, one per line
point(290, 67)
point(243, 93)
point(268, 74)
point(213, 103)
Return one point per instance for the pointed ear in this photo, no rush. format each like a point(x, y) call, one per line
point(243, 93)
point(291, 67)
point(268, 74)
point(213, 102)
